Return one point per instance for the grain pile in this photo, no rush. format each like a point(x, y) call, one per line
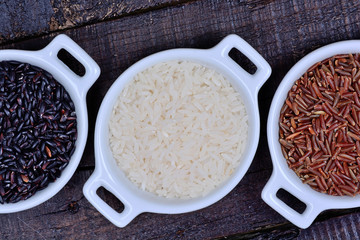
point(178, 129)
point(319, 126)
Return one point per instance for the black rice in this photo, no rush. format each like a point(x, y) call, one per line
point(38, 130)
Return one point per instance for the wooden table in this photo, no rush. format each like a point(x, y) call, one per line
point(119, 33)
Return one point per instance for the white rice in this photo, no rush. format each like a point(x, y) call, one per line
point(178, 129)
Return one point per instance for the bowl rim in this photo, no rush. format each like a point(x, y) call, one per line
point(77, 88)
point(283, 176)
point(167, 205)
point(215, 58)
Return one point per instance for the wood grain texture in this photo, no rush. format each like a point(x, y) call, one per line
point(22, 19)
point(281, 31)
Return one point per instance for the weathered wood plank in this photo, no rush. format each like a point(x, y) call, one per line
point(21, 19)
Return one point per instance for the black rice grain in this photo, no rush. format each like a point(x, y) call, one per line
point(38, 130)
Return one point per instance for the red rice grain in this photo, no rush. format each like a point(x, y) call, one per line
point(319, 126)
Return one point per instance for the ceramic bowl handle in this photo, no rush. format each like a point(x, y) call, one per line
point(263, 69)
point(92, 70)
point(302, 220)
point(119, 219)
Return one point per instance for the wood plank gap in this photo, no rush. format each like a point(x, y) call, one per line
point(283, 231)
point(85, 168)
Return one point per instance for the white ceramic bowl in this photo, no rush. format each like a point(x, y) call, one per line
point(108, 174)
point(77, 88)
point(285, 178)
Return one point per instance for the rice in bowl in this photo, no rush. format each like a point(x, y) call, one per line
point(178, 129)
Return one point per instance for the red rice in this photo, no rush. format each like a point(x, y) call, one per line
point(320, 126)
